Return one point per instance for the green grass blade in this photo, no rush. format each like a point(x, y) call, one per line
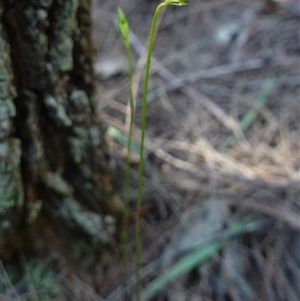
point(248, 119)
point(192, 260)
point(186, 264)
point(262, 99)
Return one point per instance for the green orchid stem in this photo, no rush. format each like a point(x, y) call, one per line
point(127, 168)
point(141, 164)
point(125, 32)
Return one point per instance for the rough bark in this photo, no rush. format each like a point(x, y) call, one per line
point(54, 176)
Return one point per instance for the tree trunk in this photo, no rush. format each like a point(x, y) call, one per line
point(54, 175)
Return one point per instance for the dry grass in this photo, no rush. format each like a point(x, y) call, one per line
point(211, 62)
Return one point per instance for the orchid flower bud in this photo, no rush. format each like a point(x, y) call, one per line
point(123, 25)
point(176, 2)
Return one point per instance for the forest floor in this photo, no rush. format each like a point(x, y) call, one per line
point(222, 150)
point(222, 141)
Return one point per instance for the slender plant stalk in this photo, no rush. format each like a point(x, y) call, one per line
point(141, 164)
point(125, 32)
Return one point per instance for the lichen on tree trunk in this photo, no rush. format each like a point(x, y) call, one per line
point(54, 165)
